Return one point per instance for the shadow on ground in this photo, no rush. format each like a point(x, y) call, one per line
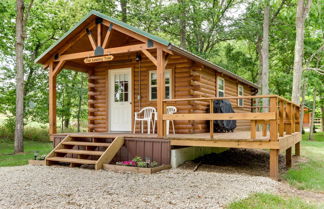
point(247, 161)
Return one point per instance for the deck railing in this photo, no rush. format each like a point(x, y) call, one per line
point(282, 115)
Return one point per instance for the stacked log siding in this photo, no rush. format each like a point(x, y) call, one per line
point(188, 80)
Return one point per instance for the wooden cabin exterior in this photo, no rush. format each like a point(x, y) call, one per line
point(153, 72)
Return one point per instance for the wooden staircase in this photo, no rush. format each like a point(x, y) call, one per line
point(84, 150)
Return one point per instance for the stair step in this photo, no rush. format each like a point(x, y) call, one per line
point(94, 144)
point(79, 152)
point(71, 160)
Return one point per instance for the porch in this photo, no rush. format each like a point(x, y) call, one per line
point(276, 131)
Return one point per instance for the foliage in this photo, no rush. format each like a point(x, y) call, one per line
point(309, 175)
point(270, 201)
point(31, 132)
point(138, 162)
point(228, 33)
point(7, 158)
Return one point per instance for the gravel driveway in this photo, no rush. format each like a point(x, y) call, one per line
point(57, 187)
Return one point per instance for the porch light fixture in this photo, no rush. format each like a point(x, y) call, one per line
point(138, 57)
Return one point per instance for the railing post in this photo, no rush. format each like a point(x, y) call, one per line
point(211, 123)
point(264, 128)
point(289, 119)
point(273, 123)
point(274, 153)
point(297, 122)
point(281, 118)
point(165, 131)
point(293, 118)
point(253, 129)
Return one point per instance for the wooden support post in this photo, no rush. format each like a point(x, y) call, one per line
point(253, 129)
point(274, 164)
point(273, 123)
point(264, 128)
point(297, 149)
point(52, 100)
point(281, 118)
point(288, 157)
point(160, 92)
point(211, 122)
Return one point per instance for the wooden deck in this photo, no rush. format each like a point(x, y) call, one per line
point(236, 139)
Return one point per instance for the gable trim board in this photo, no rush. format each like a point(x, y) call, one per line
point(47, 54)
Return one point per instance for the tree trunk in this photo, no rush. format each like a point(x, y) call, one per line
point(311, 131)
point(265, 56)
point(302, 105)
point(19, 129)
point(301, 14)
point(182, 19)
point(123, 5)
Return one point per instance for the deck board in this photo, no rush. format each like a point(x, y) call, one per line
point(236, 139)
point(236, 135)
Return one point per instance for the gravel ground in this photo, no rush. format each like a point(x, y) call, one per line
point(59, 187)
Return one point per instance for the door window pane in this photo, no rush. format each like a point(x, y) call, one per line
point(121, 88)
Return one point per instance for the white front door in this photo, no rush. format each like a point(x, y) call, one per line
point(120, 108)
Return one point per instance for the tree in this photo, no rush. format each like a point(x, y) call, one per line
point(21, 20)
point(182, 23)
point(301, 14)
point(265, 54)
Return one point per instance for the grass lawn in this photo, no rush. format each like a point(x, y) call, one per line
point(269, 201)
point(309, 175)
point(7, 158)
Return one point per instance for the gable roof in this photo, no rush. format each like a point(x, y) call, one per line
point(147, 35)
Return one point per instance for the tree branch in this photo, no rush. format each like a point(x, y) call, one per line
point(26, 16)
point(307, 8)
point(278, 11)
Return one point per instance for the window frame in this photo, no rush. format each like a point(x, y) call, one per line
point(150, 83)
point(223, 91)
point(238, 94)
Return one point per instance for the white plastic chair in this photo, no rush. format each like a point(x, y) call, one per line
point(169, 110)
point(147, 113)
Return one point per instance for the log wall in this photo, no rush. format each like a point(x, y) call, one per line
point(204, 84)
point(188, 81)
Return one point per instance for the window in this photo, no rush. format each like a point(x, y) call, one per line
point(220, 87)
point(240, 92)
point(121, 87)
point(153, 85)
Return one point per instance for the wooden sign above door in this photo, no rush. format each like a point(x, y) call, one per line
point(98, 59)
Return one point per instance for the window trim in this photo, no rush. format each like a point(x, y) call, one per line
point(150, 86)
point(218, 79)
point(238, 94)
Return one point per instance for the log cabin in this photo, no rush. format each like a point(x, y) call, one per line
point(128, 70)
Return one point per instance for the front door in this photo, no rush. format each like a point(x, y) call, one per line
point(120, 108)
